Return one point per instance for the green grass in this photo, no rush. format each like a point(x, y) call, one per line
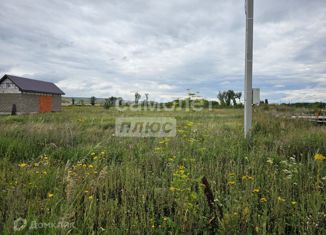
point(70, 167)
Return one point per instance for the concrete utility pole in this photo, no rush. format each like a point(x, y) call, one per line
point(248, 68)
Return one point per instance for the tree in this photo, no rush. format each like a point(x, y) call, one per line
point(266, 101)
point(112, 101)
point(93, 100)
point(229, 97)
point(238, 96)
point(137, 97)
point(222, 97)
point(73, 101)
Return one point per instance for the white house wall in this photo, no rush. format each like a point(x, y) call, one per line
point(7, 86)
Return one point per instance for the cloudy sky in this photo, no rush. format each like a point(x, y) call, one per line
point(116, 47)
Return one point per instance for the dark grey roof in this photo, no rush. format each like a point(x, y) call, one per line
point(31, 85)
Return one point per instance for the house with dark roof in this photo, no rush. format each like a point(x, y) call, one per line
point(26, 95)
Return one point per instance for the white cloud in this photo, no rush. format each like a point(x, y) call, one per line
point(116, 47)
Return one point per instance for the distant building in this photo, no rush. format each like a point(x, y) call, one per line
point(28, 95)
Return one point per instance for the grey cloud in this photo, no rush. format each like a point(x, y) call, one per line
point(163, 47)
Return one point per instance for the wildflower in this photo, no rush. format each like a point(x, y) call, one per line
point(181, 169)
point(23, 165)
point(246, 177)
point(270, 161)
point(84, 165)
point(231, 183)
point(189, 124)
point(280, 199)
point(286, 171)
point(90, 197)
point(86, 191)
point(293, 203)
point(263, 200)
point(50, 195)
point(231, 174)
point(171, 159)
point(319, 157)
point(256, 190)
point(102, 153)
point(44, 173)
point(93, 154)
point(172, 189)
point(90, 166)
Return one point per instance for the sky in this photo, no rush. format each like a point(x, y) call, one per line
point(109, 48)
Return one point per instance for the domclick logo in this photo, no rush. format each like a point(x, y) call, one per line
point(145, 127)
point(20, 224)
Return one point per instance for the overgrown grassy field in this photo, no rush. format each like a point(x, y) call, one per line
point(70, 170)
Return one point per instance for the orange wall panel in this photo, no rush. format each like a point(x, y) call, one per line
point(45, 104)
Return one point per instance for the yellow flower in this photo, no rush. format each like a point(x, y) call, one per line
point(93, 154)
point(293, 203)
point(270, 161)
point(171, 159)
point(189, 124)
point(231, 183)
point(319, 157)
point(22, 165)
point(90, 166)
point(90, 197)
point(50, 195)
point(263, 200)
point(247, 177)
point(231, 174)
point(172, 189)
point(280, 199)
point(256, 190)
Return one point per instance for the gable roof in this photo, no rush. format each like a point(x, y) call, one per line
point(31, 85)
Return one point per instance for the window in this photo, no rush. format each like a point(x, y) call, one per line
point(8, 85)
